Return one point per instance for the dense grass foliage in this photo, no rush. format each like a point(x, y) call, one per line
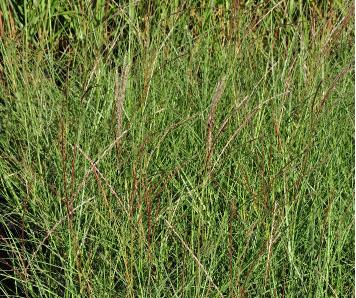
point(177, 148)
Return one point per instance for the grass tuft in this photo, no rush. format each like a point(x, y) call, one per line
point(177, 149)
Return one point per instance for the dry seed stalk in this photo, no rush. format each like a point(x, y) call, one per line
point(220, 87)
point(120, 90)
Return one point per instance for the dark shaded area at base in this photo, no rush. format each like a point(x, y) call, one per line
point(7, 276)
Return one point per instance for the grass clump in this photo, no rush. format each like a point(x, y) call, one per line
point(177, 149)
